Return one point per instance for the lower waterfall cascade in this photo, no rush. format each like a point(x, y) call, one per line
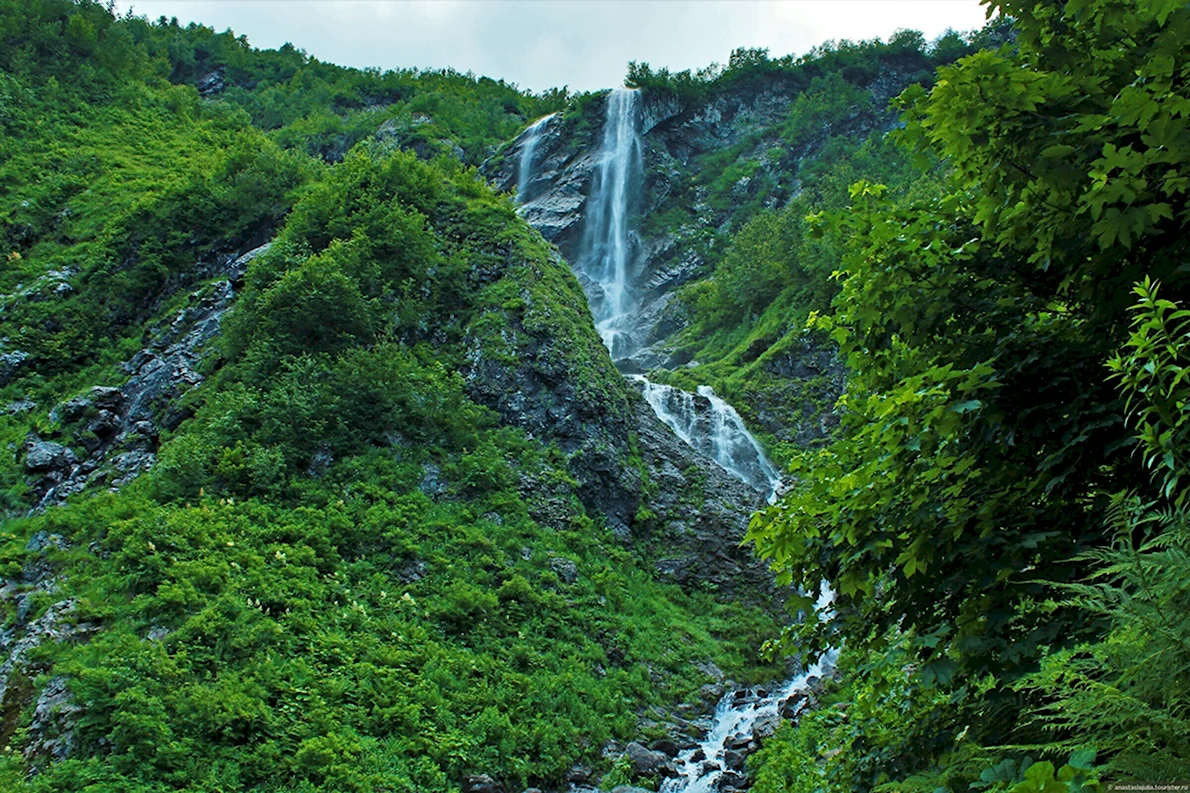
point(737, 718)
point(741, 716)
point(712, 426)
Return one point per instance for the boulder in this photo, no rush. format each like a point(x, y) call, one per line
point(106, 397)
point(105, 423)
point(793, 705)
point(711, 692)
point(738, 742)
point(734, 760)
point(765, 725)
point(665, 746)
point(72, 409)
point(566, 570)
point(644, 762)
point(44, 456)
point(212, 83)
point(732, 779)
point(481, 783)
point(10, 365)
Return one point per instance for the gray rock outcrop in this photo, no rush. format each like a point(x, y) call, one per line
point(119, 427)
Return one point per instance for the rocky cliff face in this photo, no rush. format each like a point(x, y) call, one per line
point(680, 221)
point(681, 216)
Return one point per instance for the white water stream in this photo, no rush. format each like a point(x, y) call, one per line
point(734, 723)
point(701, 767)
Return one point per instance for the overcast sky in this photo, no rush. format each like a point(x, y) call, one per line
point(541, 44)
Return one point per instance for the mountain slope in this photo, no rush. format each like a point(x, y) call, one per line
point(353, 494)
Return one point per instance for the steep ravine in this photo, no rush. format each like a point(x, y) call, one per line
point(608, 259)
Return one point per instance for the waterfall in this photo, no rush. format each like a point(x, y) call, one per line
point(714, 428)
point(609, 246)
point(607, 258)
point(607, 261)
point(532, 136)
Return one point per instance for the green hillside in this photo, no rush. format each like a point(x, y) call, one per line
point(319, 478)
point(342, 573)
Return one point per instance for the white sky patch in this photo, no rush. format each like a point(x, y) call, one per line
point(540, 44)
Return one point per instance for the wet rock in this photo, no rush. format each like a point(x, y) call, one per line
point(578, 775)
point(703, 514)
point(698, 756)
point(481, 783)
point(793, 705)
point(644, 762)
point(738, 742)
point(732, 779)
point(734, 759)
point(765, 725)
point(41, 456)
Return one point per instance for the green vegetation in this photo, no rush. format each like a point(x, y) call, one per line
point(1000, 512)
point(349, 569)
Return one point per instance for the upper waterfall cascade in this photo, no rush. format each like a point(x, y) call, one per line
point(610, 247)
point(528, 148)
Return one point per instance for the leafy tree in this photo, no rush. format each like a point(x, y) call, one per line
point(981, 443)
